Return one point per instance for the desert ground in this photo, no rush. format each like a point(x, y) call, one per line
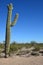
point(16, 60)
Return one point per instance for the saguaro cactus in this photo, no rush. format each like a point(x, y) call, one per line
point(8, 25)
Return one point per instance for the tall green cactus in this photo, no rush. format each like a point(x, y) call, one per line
point(8, 25)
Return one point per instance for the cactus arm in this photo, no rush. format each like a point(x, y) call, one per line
point(15, 19)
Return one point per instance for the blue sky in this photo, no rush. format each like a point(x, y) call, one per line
point(29, 26)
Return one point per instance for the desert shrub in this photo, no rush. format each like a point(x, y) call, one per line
point(13, 48)
point(1, 46)
point(36, 48)
point(27, 45)
point(0, 51)
point(33, 43)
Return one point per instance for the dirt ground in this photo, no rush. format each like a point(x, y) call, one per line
point(16, 60)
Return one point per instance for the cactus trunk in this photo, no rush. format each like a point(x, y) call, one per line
point(8, 25)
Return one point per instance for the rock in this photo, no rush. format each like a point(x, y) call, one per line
point(41, 52)
point(2, 55)
point(35, 53)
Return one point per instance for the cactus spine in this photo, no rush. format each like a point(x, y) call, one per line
point(8, 25)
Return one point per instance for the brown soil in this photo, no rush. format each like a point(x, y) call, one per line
point(16, 60)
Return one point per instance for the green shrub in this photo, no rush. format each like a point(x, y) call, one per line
point(13, 48)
